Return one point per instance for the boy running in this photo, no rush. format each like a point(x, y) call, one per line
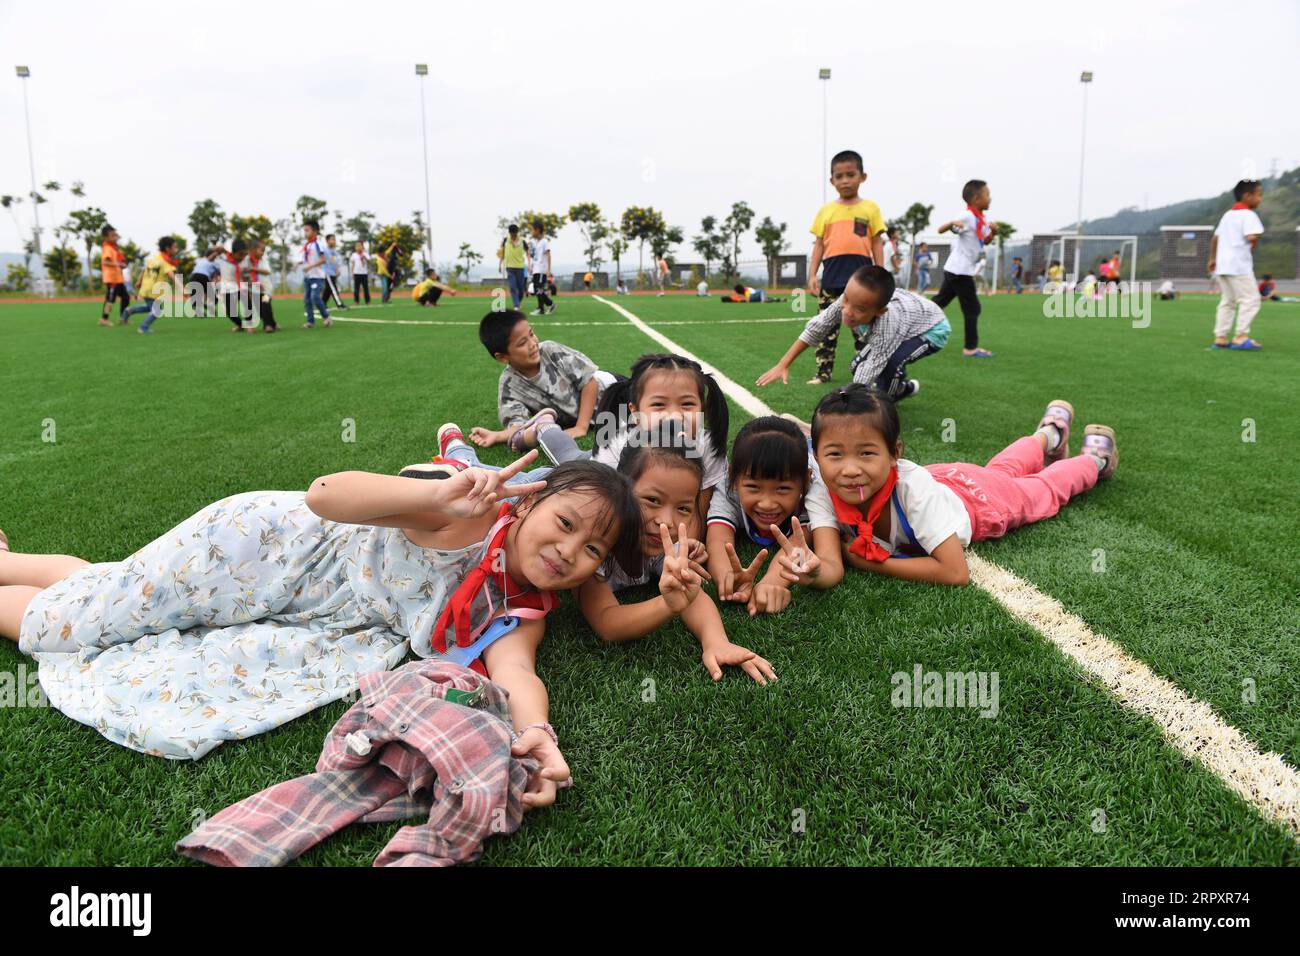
point(154, 281)
point(111, 262)
point(966, 262)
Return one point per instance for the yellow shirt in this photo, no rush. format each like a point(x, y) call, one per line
point(421, 288)
point(846, 232)
point(1054, 274)
point(157, 274)
point(514, 255)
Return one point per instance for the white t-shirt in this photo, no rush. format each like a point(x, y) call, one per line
point(1234, 256)
point(359, 263)
point(702, 289)
point(890, 250)
point(966, 248)
point(715, 465)
point(1166, 287)
point(724, 508)
point(314, 250)
point(933, 510)
point(539, 250)
point(227, 270)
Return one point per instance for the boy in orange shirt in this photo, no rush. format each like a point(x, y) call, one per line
point(848, 232)
point(111, 262)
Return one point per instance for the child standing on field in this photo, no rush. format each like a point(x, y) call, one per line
point(539, 264)
point(965, 262)
point(1232, 262)
point(514, 257)
point(313, 274)
point(849, 235)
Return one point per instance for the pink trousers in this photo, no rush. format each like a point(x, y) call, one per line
point(1014, 488)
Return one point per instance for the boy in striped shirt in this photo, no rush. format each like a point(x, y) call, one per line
point(896, 328)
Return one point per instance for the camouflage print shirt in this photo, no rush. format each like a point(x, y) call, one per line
point(558, 385)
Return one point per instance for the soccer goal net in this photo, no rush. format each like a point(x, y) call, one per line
point(1083, 255)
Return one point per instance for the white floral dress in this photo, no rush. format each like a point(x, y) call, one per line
point(248, 614)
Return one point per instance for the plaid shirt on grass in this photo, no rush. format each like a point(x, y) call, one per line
point(908, 316)
point(436, 739)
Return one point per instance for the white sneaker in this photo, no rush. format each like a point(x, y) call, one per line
point(535, 312)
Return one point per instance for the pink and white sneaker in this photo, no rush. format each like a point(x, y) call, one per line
point(1060, 414)
point(1099, 440)
point(448, 433)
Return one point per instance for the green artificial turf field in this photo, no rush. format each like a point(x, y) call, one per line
point(1200, 583)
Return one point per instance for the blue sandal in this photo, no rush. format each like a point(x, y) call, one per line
point(1246, 345)
point(978, 353)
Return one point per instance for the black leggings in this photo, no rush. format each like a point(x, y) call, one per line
point(360, 284)
point(961, 288)
point(539, 286)
point(116, 291)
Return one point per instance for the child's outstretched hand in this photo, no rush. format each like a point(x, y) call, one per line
point(682, 577)
point(725, 654)
point(799, 563)
point(551, 775)
point(738, 582)
point(475, 491)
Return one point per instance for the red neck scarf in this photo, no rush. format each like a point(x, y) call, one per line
point(117, 253)
point(456, 615)
point(168, 259)
point(1240, 205)
point(864, 545)
point(231, 259)
point(982, 231)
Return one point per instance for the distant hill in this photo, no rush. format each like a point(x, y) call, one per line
point(1280, 211)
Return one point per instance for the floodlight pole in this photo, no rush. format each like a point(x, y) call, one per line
point(824, 75)
point(422, 70)
point(1086, 79)
point(24, 74)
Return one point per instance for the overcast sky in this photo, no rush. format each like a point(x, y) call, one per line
point(684, 106)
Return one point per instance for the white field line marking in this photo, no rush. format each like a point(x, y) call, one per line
point(543, 322)
point(1264, 780)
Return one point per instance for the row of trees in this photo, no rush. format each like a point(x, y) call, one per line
point(718, 240)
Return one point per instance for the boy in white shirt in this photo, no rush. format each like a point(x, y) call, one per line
point(964, 262)
point(360, 269)
point(1232, 262)
point(539, 258)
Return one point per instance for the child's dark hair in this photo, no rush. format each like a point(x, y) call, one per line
point(618, 396)
point(431, 274)
point(972, 189)
point(513, 229)
point(314, 223)
point(495, 329)
point(621, 506)
point(670, 447)
point(166, 242)
point(769, 448)
point(878, 279)
point(106, 230)
point(329, 237)
point(1267, 277)
point(1244, 187)
point(738, 289)
point(847, 156)
point(858, 400)
point(239, 246)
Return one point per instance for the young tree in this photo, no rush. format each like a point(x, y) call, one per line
point(18, 278)
point(587, 216)
point(771, 238)
point(249, 228)
point(62, 264)
point(1002, 231)
point(640, 225)
point(469, 257)
point(552, 222)
point(914, 222)
point(208, 224)
point(89, 225)
point(665, 239)
point(361, 227)
point(708, 244)
point(280, 257)
point(408, 241)
point(734, 226)
point(617, 246)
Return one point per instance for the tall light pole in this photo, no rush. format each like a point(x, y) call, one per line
point(24, 74)
point(824, 75)
point(1085, 78)
point(422, 70)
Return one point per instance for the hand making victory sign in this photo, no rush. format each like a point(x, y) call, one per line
point(476, 491)
point(799, 563)
point(737, 583)
point(682, 576)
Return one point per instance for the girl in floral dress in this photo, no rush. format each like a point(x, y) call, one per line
point(266, 605)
